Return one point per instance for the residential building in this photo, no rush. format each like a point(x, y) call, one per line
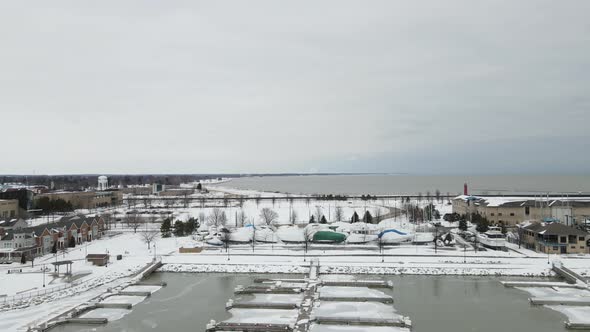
point(39, 240)
point(555, 238)
point(8, 209)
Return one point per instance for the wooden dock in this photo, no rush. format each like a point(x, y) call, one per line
point(261, 305)
point(87, 321)
point(384, 299)
point(359, 283)
point(360, 321)
point(570, 301)
point(267, 290)
point(248, 327)
point(134, 293)
point(577, 326)
point(547, 284)
point(114, 305)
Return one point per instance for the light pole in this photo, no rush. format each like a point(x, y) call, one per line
point(154, 252)
point(44, 275)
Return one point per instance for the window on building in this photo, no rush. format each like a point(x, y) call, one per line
point(500, 214)
point(563, 239)
point(527, 210)
point(573, 247)
point(492, 214)
point(512, 214)
point(581, 238)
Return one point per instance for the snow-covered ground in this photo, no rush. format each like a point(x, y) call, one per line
point(58, 296)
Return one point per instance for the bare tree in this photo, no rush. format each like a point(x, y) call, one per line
point(257, 199)
point(318, 213)
point(185, 200)
point(293, 217)
point(202, 219)
point(269, 216)
point(146, 201)
point(107, 218)
point(149, 235)
point(133, 220)
point(437, 194)
point(242, 218)
point(202, 200)
point(217, 217)
point(377, 215)
point(339, 214)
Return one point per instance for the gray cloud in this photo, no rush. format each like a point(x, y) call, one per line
point(267, 86)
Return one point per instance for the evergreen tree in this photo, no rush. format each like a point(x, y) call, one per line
point(323, 220)
point(368, 218)
point(165, 228)
point(199, 186)
point(463, 224)
point(355, 217)
point(23, 258)
point(178, 228)
point(54, 248)
point(72, 242)
point(483, 225)
point(312, 219)
point(190, 226)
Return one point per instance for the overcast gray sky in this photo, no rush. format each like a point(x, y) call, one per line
point(298, 86)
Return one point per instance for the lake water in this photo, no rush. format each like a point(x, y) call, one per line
point(414, 184)
point(434, 303)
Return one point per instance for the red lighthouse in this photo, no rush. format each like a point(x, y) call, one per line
point(465, 189)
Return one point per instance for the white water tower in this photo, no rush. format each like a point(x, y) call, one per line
point(103, 183)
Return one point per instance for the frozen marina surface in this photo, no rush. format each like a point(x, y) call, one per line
point(276, 298)
point(267, 316)
point(142, 288)
point(110, 314)
point(350, 292)
point(578, 315)
point(133, 300)
point(344, 328)
point(370, 310)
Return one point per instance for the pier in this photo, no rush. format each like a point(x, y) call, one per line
point(311, 307)
point(114, 305)
point(135, 293)
point(569, 275)
point(570, 301)
point(87, 321)
point(548, 284)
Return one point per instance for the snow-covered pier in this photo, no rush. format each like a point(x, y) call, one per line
point(312, 304)
point(358, 283)
point(569, 301)
point(569, 275)
point(87, 321)
point(267, 290)
point(135, 293)
point(547, 284)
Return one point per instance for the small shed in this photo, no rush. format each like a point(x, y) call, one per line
point(98, 259)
